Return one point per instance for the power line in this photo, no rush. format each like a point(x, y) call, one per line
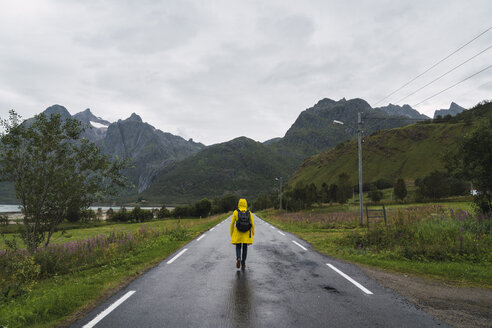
point(434, 65)
point(466, 61)
point(486, 68)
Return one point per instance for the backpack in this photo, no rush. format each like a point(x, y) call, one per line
point(243, 222)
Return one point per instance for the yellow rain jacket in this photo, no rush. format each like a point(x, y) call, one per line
point(238, 237)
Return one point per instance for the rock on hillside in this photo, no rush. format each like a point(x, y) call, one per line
point(314, 130)
point(405, 110)
point(453, 110)
point(96, 127)
point(150, 149)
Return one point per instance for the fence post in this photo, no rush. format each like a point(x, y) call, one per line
point(384, 212)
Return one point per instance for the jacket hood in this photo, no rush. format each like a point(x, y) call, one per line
point(242, 205)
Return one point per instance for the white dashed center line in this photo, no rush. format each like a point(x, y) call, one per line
point(104, 313)
point(364, 289)
point(295, 242)
point(177, 255)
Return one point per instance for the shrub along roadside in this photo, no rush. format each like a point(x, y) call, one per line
point(451, 246)
point(54, 299)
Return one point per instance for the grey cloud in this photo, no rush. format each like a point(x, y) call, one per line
point(197, 69)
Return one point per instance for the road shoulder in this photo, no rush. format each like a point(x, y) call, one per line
point(457, 306)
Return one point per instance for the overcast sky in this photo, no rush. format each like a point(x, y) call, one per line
point(216, 70)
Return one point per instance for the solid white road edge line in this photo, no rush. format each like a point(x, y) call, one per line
point(280, 232)
point(200, 237)
point(177, 255)
point(295, 242)
point(364, 289)
point(104, 313)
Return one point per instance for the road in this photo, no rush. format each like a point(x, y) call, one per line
point(285, 284)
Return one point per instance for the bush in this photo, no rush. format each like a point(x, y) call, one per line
point(264, 201)
point(400, 189)
point(384, 184)
point(203, 208)
point(457, 236)
point(438, 185)
point(163, 213)
point(4, 220)
point(120, 216)
point(139, 215)
point(18, 273)
point(375, 195)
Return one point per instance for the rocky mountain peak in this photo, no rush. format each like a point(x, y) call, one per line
point(87, 116)
point(57, 109)
point(454, 109)
point(134, 117)
point(405, 110)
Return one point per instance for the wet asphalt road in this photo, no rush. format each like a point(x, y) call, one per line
point(283, 286)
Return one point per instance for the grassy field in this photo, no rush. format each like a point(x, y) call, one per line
point(56, 298)
point(433, 240)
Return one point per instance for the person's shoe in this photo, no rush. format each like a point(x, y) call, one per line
point(238, 263)
point(243, 266)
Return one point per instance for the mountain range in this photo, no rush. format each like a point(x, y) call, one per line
point(245, 167)
point(169, 169)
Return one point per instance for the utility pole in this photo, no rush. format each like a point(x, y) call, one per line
point(359, 140)
point(361, 193)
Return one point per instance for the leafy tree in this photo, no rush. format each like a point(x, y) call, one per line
point(344, 188)
point(400, 189)
point(262, 202)
point(311, 194)
point(375, 194)
point(203, 208)
point(163, 212)
point(109, 214)
point(434, 186)
point(183, 211)
point(333, 192)
point(325, 193)
point(473, 161)
point(140, 215)
point(52, 169)
point(383, 183)
point(228, 203)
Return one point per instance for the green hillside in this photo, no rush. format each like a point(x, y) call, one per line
point(241, 166)
point(408, 152)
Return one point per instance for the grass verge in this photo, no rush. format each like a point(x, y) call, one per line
point(326, 237)
point(61, 299)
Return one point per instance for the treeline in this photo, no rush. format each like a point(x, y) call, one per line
point(200, 209)
point(435, 186)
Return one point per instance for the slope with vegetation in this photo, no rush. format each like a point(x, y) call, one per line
point(409, 152)
point(241, 166)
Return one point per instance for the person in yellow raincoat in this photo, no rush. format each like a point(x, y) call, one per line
point(241, 238)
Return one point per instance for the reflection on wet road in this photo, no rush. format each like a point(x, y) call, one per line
point(240, 300)
point(285, 284)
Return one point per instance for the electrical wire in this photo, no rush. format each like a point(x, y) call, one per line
point(443, 75)
point(392, 93)
point(469, 77)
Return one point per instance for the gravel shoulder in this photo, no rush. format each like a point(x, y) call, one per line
point(457, 306)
